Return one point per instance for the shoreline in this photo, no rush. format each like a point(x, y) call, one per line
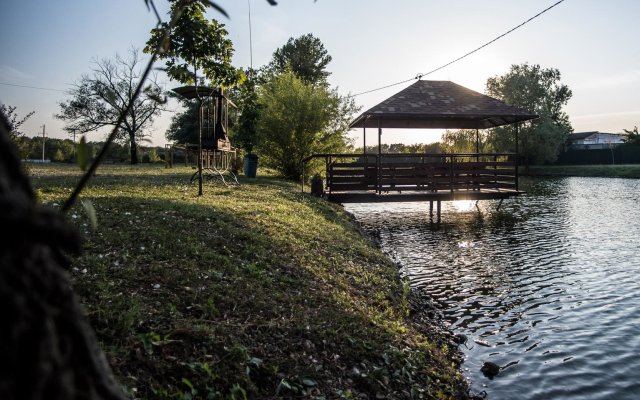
point(631, 171)
point(423, 311)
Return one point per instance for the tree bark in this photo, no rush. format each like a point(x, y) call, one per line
point(47, 348)
point(134, 149)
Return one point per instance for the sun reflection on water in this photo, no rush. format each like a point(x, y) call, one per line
point(462, 206)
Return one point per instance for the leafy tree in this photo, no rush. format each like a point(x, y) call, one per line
point(632, 136)
point(244, 133)
point(58, 150)
point(184, 125)
point(429, 148)
point(299, 119)
point(462, 141)
point(153, 156)
point(305, 56)
point(195, 45)
point(99, 99)
point(538, 90)
point(15, 122)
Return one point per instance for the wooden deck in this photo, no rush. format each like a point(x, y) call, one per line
point(373, 197)
point(419, 177)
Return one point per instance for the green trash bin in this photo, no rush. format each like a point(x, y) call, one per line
point(250, 165)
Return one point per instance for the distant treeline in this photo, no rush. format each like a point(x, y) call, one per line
point(432, 148)
point(455, 142)
point(64, 150)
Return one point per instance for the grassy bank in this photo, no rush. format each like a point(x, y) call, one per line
point(253, 291)
point(611, 171)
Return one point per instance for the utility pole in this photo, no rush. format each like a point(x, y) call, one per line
point(43, 144)
point(250, 36)
point(74, 142)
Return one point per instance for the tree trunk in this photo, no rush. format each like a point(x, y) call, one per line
point(47, 348)
point(134, 148)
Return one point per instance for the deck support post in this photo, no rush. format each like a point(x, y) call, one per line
point(431, 211)
point(364, 138)
point(477, 145)
point(379, 158)
point(201, 109)
point(517, 155)
point(438, 212)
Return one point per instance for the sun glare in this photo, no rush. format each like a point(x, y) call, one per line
point(462, 206)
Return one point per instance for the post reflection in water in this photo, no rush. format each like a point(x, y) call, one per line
point(546, 287)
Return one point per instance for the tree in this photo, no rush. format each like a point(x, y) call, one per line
point(15, 122)
point(99, 99)
point(195, 45)
point(305, 56)
point(462, 141)
point(299, 119)
point(184, 125)
point(632, 136)
point(244, 133)
point(538, 90)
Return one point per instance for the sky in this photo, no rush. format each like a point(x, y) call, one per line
point(593, 43)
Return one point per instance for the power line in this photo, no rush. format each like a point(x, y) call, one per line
point(420, 75)
point(250, 35)
point(31, 87)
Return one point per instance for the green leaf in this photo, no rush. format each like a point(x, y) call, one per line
point(255, 361)
point(216, 7)
point(91, 213)
point(83, 153)
point(309, 382)
point(283, 384)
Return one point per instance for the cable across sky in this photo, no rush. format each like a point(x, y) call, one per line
point(421, 75)
point(418, 76)
point(31, 87)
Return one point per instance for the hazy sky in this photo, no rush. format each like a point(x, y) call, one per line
point(594, 44)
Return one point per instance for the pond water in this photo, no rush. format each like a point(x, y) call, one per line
point(547, 287)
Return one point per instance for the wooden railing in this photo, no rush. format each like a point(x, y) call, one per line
point(419, 172)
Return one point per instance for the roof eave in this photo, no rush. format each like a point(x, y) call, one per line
point(437, 121)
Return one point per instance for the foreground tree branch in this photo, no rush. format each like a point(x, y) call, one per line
point(48, 349)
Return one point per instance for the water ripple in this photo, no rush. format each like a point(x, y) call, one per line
point(547, 287)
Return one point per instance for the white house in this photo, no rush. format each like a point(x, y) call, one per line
point(595, 140)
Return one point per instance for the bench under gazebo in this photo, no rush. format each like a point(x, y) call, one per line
point(364, 178)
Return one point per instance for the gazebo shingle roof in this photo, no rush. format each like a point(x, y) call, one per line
point(440, 104)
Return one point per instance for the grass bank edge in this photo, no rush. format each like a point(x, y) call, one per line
point(251, 291)
point(602, 170)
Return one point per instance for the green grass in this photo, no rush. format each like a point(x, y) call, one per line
point(253, 291)
point(612, 171)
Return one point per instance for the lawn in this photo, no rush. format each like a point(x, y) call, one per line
point(249, 291)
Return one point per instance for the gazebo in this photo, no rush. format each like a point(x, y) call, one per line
point(428, 177)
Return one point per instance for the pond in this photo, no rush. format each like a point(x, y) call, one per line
point(547, 286)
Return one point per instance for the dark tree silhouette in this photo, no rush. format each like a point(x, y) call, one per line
point(47, 348)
